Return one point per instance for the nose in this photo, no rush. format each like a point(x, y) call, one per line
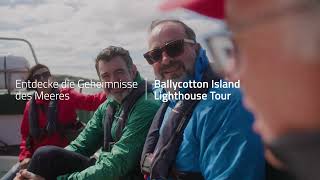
point(165, 58)
point(114, 78)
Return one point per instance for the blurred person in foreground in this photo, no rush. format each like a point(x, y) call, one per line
point(277, 58)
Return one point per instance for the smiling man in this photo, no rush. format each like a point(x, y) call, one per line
point(119, 126)
point(196, 139)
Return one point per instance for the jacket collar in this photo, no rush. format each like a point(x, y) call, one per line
point(139, 79)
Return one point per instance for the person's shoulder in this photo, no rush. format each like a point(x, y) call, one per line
point(105, 103)
point(146, 104)
point(100, 111)
point(27, 105)
point(148, 99)
point(103, 106)
point(213, 107)
point(28, 102)
point(221, 96)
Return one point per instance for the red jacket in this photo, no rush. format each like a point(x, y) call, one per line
point(66, 115)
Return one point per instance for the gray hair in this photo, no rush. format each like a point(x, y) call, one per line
point(189, 32)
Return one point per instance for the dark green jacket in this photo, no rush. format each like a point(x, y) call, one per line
point(125, 154)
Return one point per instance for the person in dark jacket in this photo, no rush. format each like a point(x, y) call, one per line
point(216, 141)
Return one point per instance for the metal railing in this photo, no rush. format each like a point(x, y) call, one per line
point(23, 40)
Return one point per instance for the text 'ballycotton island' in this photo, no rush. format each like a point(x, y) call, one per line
point(173, 90)
point(170, 84)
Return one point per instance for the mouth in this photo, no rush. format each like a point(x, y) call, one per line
point(116, 90)
point(168, 72)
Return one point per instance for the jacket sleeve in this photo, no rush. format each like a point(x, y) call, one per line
point(125, 154)
point(90, 139)
point(24, 130)
point(229, 149)
point(89, 102)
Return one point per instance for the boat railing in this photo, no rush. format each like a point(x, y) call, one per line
point(23, 40)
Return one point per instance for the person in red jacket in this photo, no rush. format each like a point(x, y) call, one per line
point(48, 121)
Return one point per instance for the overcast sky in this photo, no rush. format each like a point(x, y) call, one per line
point(68, 34)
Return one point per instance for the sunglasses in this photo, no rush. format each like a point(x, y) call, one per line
point(42, 76)
point(172, 49)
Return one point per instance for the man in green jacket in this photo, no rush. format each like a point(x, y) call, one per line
point(120, 126)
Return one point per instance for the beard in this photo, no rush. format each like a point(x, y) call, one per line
point(118, 96)
point(175, 76)
point(180, 75)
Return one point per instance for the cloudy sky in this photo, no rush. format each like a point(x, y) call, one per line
point(68, 34)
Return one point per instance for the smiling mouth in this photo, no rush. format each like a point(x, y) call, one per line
point(168, 72)
point(171, 70)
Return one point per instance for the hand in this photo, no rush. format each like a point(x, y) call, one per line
point(24, 163)
point(24, 174)
point(18, 176)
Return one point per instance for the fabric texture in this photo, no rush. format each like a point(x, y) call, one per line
point(218, 141)
point(66, 115)
point(300, 152)
point(124, 156)
point(211, 8)
point(50, 161)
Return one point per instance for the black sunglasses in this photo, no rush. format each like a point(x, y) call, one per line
point(44, 75)
point(172, 48)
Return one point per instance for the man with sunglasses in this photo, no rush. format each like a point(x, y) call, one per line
point(204, 139)
point(277, 60)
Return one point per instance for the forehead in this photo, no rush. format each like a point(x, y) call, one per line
point(40, 71)
point(165, 32)
point(243, 11)
point(112, 65)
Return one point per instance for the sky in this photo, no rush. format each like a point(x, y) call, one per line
point(67, 35)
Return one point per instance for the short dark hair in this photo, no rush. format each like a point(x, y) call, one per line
point(33, 69)
point(31, 72)
point(189, 32)
point(112, 51)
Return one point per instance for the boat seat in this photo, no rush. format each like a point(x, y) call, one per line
point(12, 68)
